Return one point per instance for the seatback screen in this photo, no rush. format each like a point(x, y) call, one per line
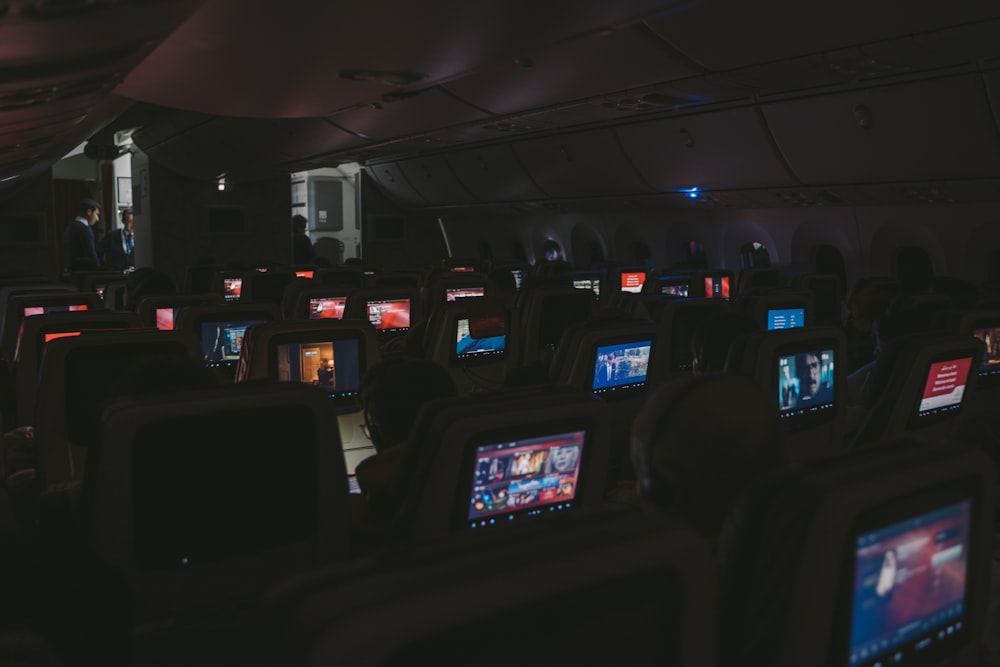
point(29, 311)
point(304, 274)
point(60, 334)
point(944, 387)
point(232, 288)
point(621, 366)
point(589, 283)
point(632, 281)
point(221, 341)
point(717, 287)
point(531, 476)
point(467, 347)
point(165, 318)
point(334, 366)
point(990, 365)
point(785, 318)
point(680, 289)
point(327, 308)
point(909, 587)
point(389, 315)
point(453, 293)
point(805, 382)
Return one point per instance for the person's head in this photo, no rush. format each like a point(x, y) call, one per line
point(128, 220)
point(393, 392)
point(89, 210)
point(698, 443)
point(807, 368)
point(298, 224)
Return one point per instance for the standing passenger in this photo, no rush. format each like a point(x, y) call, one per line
point(78, 239)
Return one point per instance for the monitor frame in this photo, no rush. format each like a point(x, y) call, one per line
point(618, 391)
point(537, 430)
point(790, 419)
point(319, 336)
point(890, 513)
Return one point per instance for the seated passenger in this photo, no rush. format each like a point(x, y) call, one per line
point(698, 443)
point(392, 394)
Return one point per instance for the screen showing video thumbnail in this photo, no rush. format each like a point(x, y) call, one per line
point(334, 366)
point(621, 366)
point(389, 315)
point(453, 293)
point(327, 308)
point(805, 382)
point(44, 310)
point(467, 347)
point(232, 288)
point(222, 341)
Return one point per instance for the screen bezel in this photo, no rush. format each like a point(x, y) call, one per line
point(309, 303)
point(784, 308)
point(329, 336)
point(392, 330)
point(894, 511)
point(794, 422)
point(993, 377)
point(916, 420)
point(457, 360)
point(614, 393)
point(537, 429)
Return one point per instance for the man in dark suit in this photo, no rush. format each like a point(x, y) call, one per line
point(78, 239)
point(118, 245)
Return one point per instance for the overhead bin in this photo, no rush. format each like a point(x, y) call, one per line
point(720, 150)
point(572, 70)
point(792, 28)
point(580, 164)
point(493, 174)
point(424, 111)
point(909, 132)
point(435, 181)
point(393, 182)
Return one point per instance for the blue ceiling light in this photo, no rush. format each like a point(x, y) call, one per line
point(692, 192)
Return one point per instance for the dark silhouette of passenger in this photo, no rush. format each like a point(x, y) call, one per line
point(392, 393)
point(712, 339)
point(698, 443)
point(302, 247)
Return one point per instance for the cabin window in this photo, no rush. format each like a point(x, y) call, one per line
point(912, 266)
point(754, 255)
point(829, 260)
point(552, 250)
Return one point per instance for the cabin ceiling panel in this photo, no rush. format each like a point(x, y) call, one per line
point(907, 132)
point(393, 182)
point(283, 140)
point(432, 177)
point(577, 69)
point(305, 49)
point(992, 82)
point(431, 109)
point(938, 192)
point(580, 164)
point(720, 150)
point(493, 174)
point(752, 33)
point(801, 197)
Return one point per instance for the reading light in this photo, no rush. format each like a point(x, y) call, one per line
point(692, 192)
point(222, 185)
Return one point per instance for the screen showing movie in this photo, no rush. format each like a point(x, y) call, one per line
point(60, 334)
point(945, 387)
point(990, 365)
point(165, 318)
point(305, 274)
point(30, 311)
point(621, 366)
point(785, 318)
point(232, 288)
point(455, 293)
point(632, 281)
point(390, 315)
point(717, 287)
point(677, 289)
point(909, 587)
point(529, 477)
point(327, 308)
point(467, 347)
point(334, 366)
point(593, 284)
point(221, 342)
point(805, 383)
